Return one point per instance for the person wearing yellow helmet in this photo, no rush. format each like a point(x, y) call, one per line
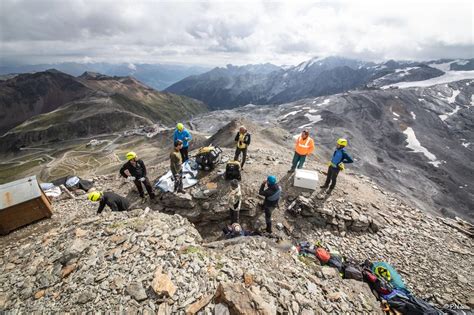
point(339, 157)
point(111, 199)
point(135, 171)
point(185, 137)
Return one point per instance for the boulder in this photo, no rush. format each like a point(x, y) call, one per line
point(181, 201)
point(162, 284)
point(137, 291)
point(241, 301)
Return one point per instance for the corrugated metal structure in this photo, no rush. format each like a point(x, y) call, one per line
point(22, 202)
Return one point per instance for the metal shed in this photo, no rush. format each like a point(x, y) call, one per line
point(22, 202)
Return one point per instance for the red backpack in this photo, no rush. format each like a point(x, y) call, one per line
point(322, 255)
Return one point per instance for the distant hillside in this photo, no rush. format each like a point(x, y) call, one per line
point(158, 76)
point(55, 106)
point(233, 86)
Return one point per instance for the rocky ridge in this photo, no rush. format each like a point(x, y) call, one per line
point(154, 260)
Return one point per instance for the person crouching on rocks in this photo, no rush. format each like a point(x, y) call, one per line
point(272, 195)
point(242, 140)
point(111, 199)
point(135, 171)
point(235, 201)
point(336, 165)
point(176, 166)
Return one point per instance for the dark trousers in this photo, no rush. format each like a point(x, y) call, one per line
point(237, 154)
point(332, 177)
point(147, 185)
point(268, 217)
point(184, 153)
point(178, 182)
point(298, 161)
point(234, 216)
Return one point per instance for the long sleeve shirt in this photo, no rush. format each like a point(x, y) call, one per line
point(176, 162)
point(114, 201)
point(137, 171)
point(185, 136)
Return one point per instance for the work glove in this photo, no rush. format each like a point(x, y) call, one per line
point(131, 178)
point(142, 179)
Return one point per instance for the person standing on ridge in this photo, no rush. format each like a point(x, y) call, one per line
point(185, 137)
point(304, 146)
point(336, 165)
point(111, 199)
point(135, 170)
point(176, 166)
point(234, 201)
point(272, 195)
point(242, 140)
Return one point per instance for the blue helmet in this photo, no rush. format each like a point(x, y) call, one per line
point(271, 180)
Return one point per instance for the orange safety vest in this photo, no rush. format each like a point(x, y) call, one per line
point(304, 147)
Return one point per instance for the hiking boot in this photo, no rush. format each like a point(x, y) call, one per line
point(329, 191)
point(181, 191)
point(323, 186)
point(291, 170)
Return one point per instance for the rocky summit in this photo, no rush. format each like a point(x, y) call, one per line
point(167, 257)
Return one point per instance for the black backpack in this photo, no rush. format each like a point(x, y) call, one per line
point(208, 157)
point(232, 170)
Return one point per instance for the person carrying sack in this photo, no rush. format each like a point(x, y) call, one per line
point(176, 166)
point(336, 165)
point(135, 171)
point(234, 201)
point(242, 141)
point(304, 146)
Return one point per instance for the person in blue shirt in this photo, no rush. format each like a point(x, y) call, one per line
point(184, 135)
point(336, 165)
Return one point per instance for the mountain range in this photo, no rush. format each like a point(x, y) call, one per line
point(157, 76)
point(233, 86)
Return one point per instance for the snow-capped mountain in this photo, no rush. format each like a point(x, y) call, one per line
point(235, 86)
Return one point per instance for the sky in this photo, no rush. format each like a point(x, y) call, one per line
point(237, 32)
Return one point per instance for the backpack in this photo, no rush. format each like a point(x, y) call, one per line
point(322, 255)
point(379, 285)
point(208, 157)
point(232, 170)
point(336, 262)
point(353, 272)
point(385, 271)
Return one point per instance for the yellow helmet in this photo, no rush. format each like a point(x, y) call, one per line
point(95, 196)
point(180, 126)
point(342, 142)
point(131, 155)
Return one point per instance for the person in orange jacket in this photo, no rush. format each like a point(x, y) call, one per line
point(304, 146)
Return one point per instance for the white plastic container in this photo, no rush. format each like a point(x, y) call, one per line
point(306, 179)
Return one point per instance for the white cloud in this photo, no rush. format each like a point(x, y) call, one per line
point(223, 32)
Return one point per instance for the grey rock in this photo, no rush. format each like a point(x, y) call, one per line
point(137, 291)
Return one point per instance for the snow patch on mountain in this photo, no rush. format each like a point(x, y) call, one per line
point(452, 98)
point(416, 146)
point(448, 77)
point(445, 116)
point(312, 118)
point(413, 115)
point(290, 114)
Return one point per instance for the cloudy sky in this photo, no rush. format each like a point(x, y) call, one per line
point(238, 32)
